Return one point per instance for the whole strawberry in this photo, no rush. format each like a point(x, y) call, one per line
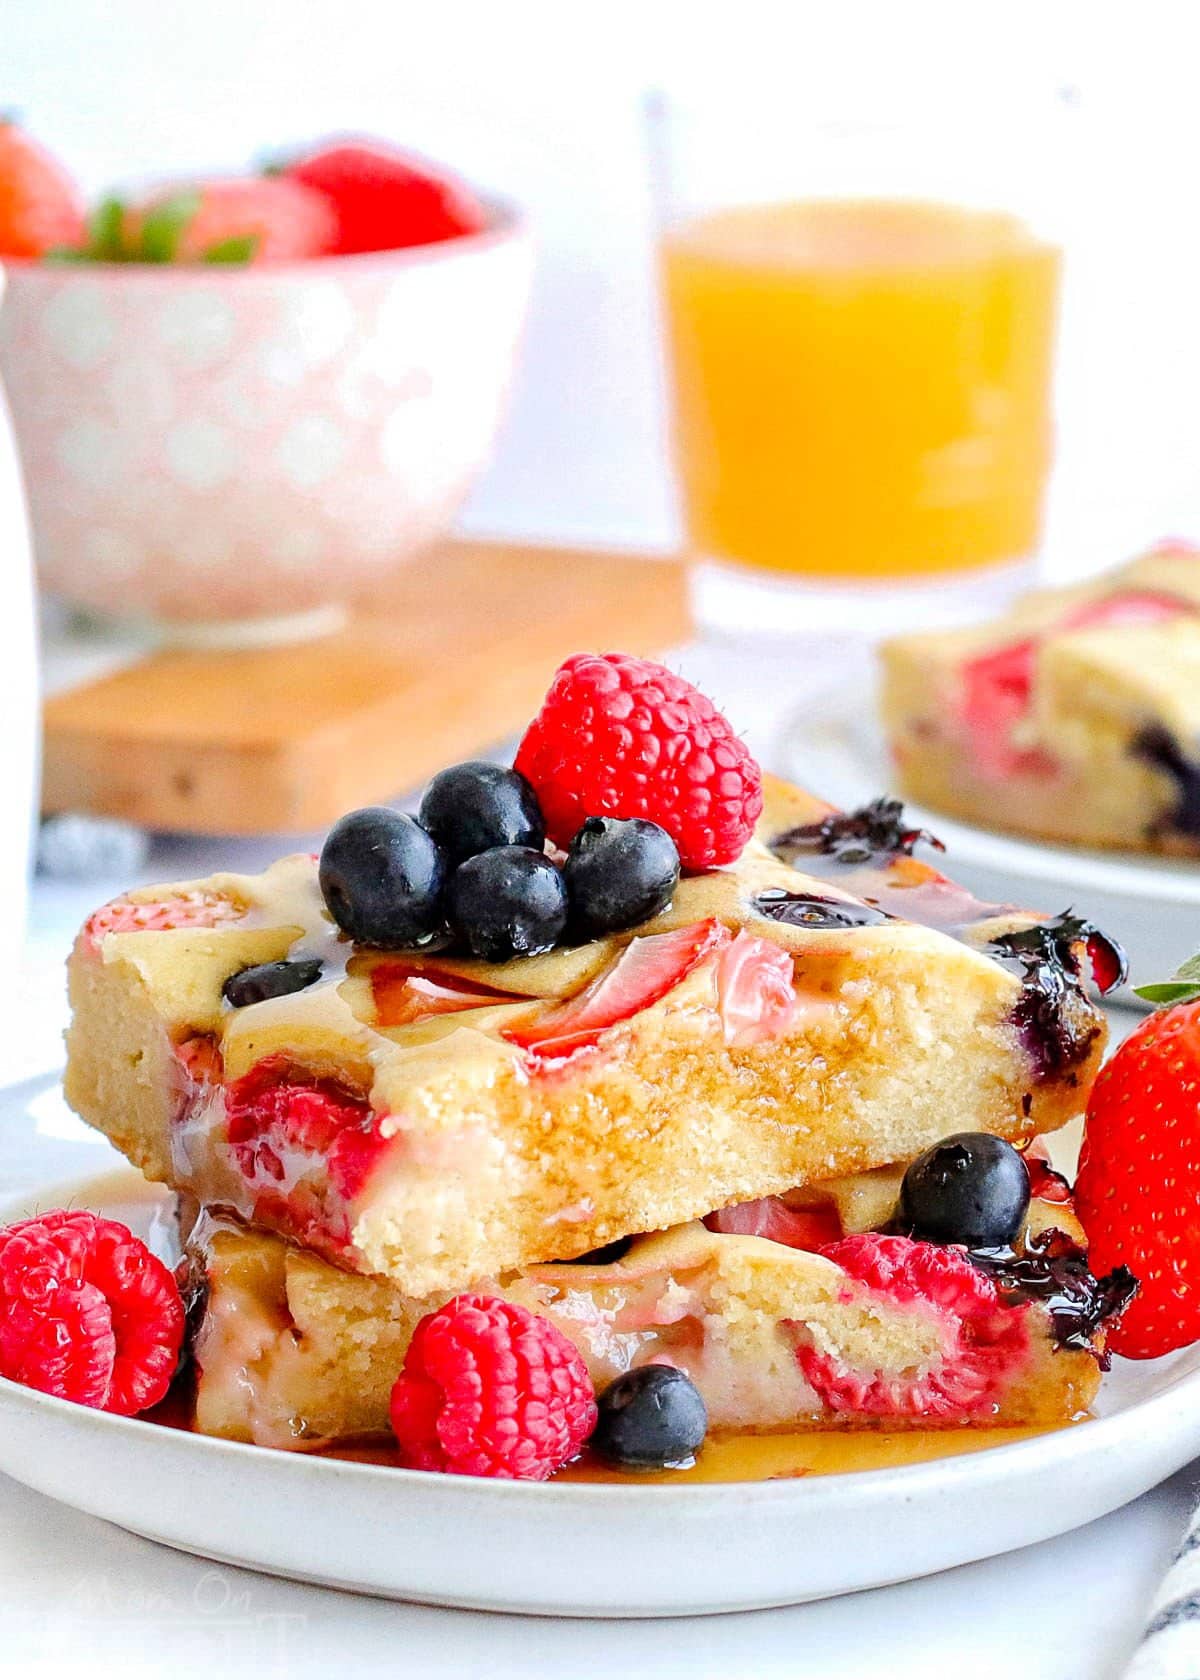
point(40, 205)
point(385, 199)
point(1138, 1189)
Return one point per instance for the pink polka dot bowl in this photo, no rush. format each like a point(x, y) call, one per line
point(238, 453)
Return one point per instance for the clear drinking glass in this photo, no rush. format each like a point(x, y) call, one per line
point(860, 321)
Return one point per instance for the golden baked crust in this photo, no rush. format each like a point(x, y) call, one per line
point(489, 1159)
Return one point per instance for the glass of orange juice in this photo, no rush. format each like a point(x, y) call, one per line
point(860, 324)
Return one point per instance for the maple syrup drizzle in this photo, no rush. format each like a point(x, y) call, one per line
point(870, 854)
point(726, 1457)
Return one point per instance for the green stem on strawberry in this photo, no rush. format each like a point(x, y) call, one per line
point(1183, 987)
point(106, 241)
point(164, 225)
point(240, 249)
point(114, 235)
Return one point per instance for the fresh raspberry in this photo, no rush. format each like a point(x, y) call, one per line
point(981, 1338)
point(384, 199)
point(197, 907)
point(87, 1313)
point(624, 737)
point(1137, 1192)
point(257, 219)
point(490, 1389)
point(288, 1128)
point(40, 205)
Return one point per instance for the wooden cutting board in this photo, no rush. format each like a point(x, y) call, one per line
point(284, 739)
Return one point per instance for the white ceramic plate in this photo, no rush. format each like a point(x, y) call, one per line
point(1152, 905)
point(571, 1549)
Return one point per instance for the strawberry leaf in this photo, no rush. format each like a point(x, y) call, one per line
point(240, 248)
point(105, 240)
point(1169, 991)
point(1182, 987)
point(164, 225)
point(106, 231)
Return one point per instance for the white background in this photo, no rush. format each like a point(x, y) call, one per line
point(542, 101)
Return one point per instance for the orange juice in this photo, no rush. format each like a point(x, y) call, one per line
point(862, 387)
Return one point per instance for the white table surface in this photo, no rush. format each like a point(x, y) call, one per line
point(79, 1596)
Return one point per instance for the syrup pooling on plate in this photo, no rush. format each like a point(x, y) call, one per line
point(767, 1458)
point(727, 1457)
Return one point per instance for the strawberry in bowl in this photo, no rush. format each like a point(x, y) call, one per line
point(384, 199)
point(40, 206)
point(241, 400)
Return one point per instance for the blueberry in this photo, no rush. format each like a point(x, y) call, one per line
point(1159, 747)
point(509, 902)
point(619, 872)
point(653, 1418)
point(474, 806)
point(382, 878)
point(269, 980)
point(971, 1188)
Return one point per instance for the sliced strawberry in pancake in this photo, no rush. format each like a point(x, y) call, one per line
point(642, 975)
point(810, 1228)
point(1130, 606)
point(756, 993)
point(304, 1145)
point(191, 909)
point(403, 994)
point(996, 687)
